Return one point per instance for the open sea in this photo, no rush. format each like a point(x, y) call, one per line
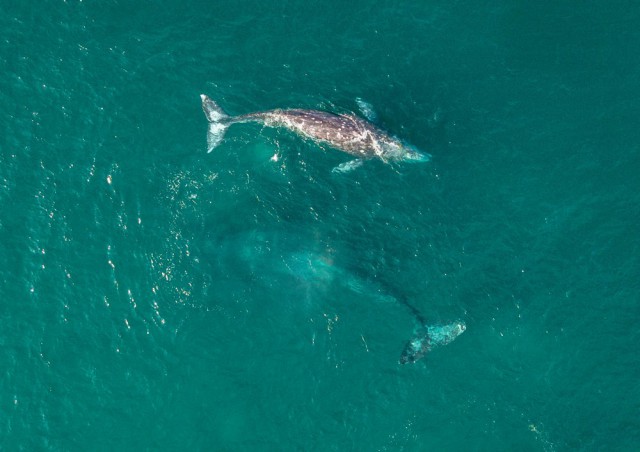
point(154, 296)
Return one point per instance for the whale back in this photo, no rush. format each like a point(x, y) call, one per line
point(345, 132)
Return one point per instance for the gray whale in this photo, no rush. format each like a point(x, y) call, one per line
point(345, 132)
point(311, 274)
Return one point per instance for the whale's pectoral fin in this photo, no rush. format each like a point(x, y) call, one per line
point(215, 134)
point(428, 337)
point(367, 110)
point(347, 166)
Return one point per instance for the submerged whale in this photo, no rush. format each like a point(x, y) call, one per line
point(345, 132)
point(428, 337)
point(287, 267)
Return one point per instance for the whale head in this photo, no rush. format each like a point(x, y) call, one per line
point(413, 154)
point(395, 149)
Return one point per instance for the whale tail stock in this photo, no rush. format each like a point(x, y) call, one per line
point(219, 121)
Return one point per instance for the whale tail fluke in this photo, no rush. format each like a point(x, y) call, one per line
point(218, 122)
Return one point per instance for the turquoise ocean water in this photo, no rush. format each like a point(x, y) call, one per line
point(156, 297)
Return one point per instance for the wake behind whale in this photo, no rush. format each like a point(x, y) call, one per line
point(345, 132)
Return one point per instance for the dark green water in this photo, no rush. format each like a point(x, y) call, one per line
point(154, 296)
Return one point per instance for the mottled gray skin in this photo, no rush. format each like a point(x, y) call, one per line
point(345, 132)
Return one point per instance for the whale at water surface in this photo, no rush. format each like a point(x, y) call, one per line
point(345, 132)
